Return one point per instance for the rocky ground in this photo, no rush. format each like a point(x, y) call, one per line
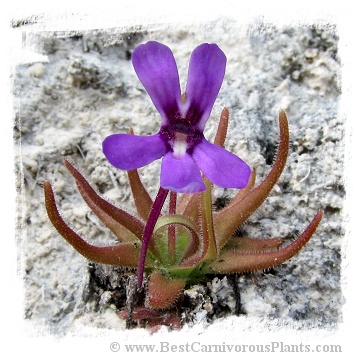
point(88, 90)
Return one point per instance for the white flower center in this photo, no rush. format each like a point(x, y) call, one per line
point(179, 145)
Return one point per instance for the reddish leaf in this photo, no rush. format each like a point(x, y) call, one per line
point(163, 291)
point(108, 213)
point(234, 215)
point(222, 128)
point(253, 244)
point(239, 262)
point(141, 197)
point(124, 254)
point(244, 191)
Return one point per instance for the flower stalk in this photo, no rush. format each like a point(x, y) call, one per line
point(148, 230)
point(172, 228)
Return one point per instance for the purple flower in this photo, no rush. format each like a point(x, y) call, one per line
point(180, 141)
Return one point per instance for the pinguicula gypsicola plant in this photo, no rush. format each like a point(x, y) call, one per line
point(179, 247)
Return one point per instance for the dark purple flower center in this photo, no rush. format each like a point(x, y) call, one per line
point(180, 132)
point(194, 113)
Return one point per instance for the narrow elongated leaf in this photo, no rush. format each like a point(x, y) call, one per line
point(141, 197)
point(244, 191)
point(240, 262)
point(124, 254)
point(235, 214)
point(253, 244)
point(112, 216)
point(222, 128)
point(208, 232)
point(188, 206)
point(208, 247)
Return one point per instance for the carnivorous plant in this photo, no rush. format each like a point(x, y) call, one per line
point(179, 247)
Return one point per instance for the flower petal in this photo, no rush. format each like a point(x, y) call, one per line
point(206, 72)
point(156, 68)
point(221, 166)
point(129, 152)
point(181, 174)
